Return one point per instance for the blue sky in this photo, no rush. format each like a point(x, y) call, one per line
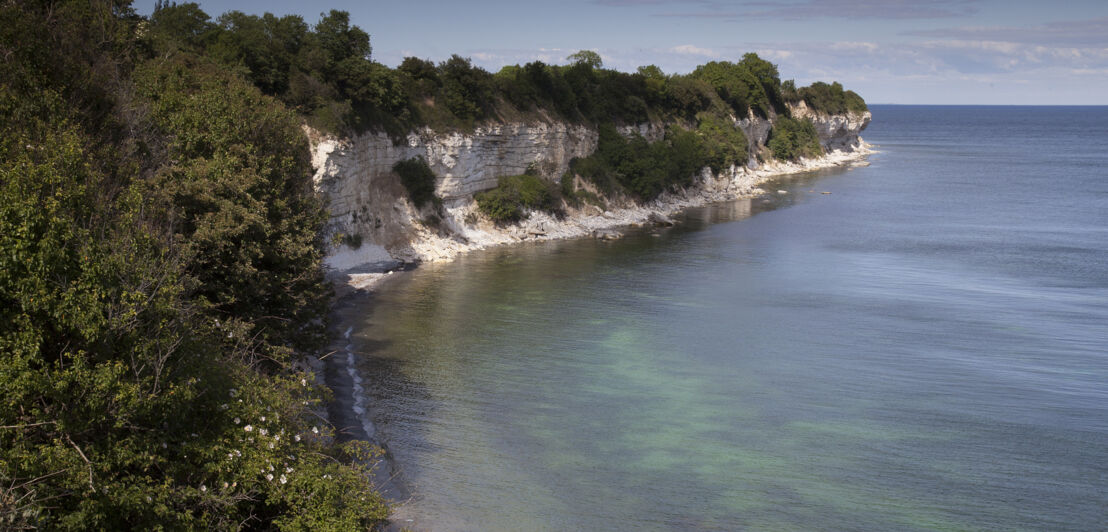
point(894, 51)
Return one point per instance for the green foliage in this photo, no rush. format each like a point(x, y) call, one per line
point(158, 253)
point(767, 76)
point(326, 73)
point(642, 168)
point(791, 139)
point(737, 85)
point(240, 191)
point(418, 179)
point(421, 76)
point(688, 96)
point(466, 89)
point(513, 194)
point(789, 92)
point(831, 99)
point(183, 25)
point(647, 169)
point(587, 58)
point(724, 143)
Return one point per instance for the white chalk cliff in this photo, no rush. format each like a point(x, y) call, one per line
point(367, 201)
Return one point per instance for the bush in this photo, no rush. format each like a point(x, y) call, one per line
point(724, 143)
point(736, 85)
point(832, 99)
point(791, 139)
point(418, 179)
point(513, 194)
point(642, 168)
point(466, 89)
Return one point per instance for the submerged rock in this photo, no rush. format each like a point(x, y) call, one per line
point(659, 219)
point(607, 234)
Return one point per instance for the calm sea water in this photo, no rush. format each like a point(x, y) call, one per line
point(924, 348)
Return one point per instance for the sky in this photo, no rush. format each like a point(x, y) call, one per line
point(1004, 52)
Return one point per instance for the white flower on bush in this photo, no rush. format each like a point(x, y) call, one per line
point(248, 428)
point(269, 477)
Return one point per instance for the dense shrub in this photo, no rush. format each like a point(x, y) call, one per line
point(791, 139)
point(466, 89)
point(239, 191)
point(324, 71)
point(418, 179)
point(159, 263)
point(514, 194)
point(831, 99)
point(724, 143)
point(642, 168)
point(737, 85)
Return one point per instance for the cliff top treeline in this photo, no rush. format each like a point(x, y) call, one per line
point(325, 72)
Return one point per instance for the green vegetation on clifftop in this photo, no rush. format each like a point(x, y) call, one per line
point(326, 72)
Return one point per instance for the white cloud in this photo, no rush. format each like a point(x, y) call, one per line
point(860, 46)
point(1088, 32)
point(688, 49)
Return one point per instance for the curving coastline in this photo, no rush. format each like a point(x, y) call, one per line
point(349, 411)
point(361, 269)
point(404, 242)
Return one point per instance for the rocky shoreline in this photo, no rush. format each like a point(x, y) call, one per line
point(354, 270)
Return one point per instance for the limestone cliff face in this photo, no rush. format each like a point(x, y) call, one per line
point(366, 199)
point(836, 132)
point(756, 130)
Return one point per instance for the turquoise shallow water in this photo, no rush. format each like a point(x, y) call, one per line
point(924, 348)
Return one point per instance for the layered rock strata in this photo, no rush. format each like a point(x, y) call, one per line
point(370, 210)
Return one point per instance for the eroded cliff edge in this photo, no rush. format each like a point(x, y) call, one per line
point(370, 209)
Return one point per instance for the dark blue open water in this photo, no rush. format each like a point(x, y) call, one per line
point(924, 348)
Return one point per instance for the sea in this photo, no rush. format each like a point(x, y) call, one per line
point(917, 344)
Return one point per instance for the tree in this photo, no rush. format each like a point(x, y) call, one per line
point(586, 57)
point(466, 90)
point(183, 25)
point(339, 39)
point(767, 76)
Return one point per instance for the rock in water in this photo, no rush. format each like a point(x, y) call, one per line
point(607, 234)
point(659, 219)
